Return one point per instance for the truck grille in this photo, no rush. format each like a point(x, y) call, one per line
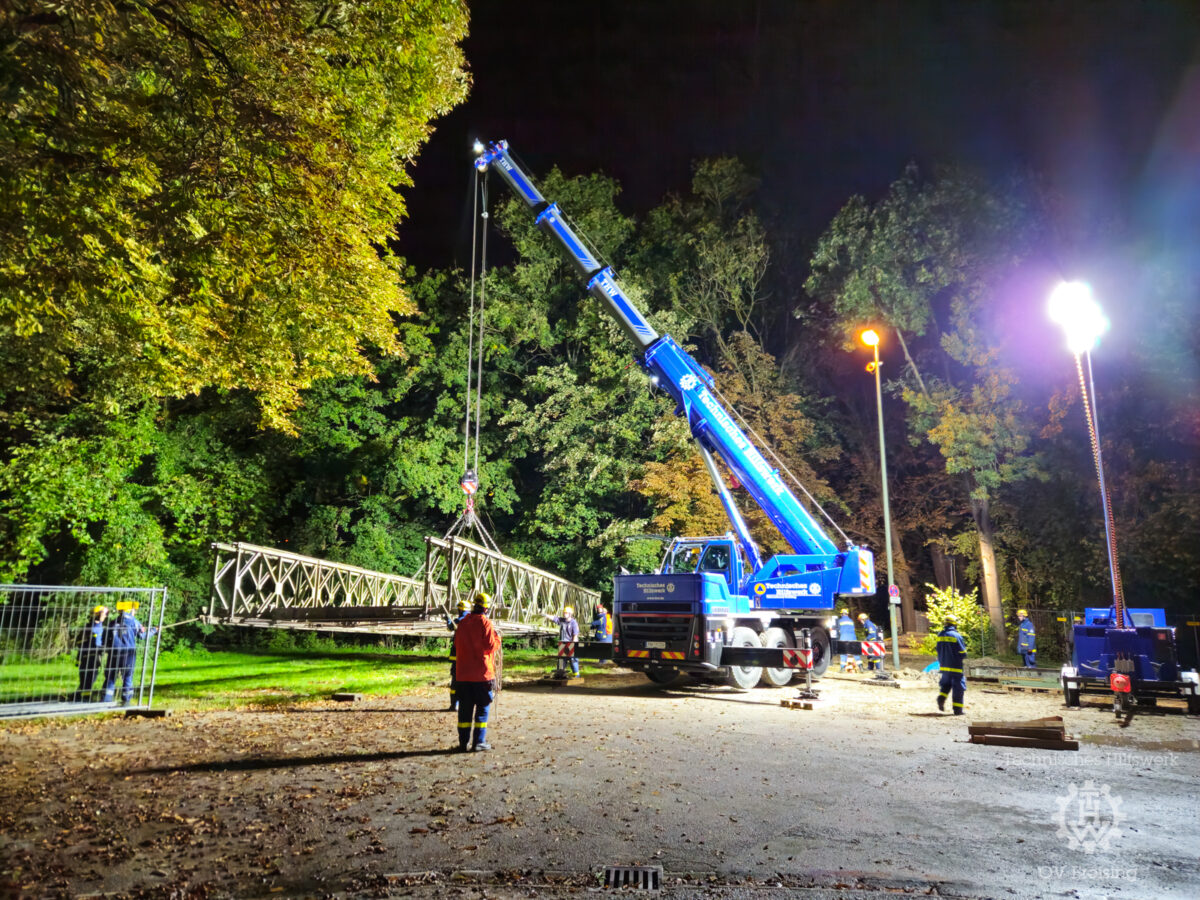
point(656, 628)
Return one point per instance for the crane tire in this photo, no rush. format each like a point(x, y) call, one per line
point(820, 648)
point(781, 677)
point(743, 678)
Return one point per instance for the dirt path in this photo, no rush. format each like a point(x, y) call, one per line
point(728, 792)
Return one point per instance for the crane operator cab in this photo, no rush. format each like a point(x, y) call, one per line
point(706, 555)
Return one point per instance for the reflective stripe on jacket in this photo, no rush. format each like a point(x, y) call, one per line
point(1026, 637)
point(951, 650)
point(475, 646)
point(602, 624)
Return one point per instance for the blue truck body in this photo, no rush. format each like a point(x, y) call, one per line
point(733, 602)
point(1141, 648)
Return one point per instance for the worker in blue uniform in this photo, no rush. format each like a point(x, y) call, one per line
point(91, 653)
point(1026, 640)
point(463, 609)
point(568, 633)
point(846, 632)
point(121, 639)
point(602, 624)
point(871, 632)
point(951, 652)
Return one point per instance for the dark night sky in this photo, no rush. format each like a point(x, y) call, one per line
point(825, 99)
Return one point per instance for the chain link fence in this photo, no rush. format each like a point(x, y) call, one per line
point(67, 650)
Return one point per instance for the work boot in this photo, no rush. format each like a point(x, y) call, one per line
point(941, 703)
point(482, 745)
point(462, 747)
point(960, 712)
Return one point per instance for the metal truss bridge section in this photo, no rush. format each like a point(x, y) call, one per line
point(265, 587)
point(520, 592)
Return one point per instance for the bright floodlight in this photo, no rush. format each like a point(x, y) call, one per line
point(1074, 308)
point(870, 337)
point(478, 147)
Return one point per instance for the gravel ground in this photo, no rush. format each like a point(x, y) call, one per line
point(731, 794)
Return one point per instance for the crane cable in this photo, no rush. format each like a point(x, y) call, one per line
point(474, 354)
point(779, 462)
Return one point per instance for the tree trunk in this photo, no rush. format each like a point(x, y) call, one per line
point(981, 512)
point(908, 616)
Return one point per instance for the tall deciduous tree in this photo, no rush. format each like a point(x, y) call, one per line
point(931, 251)
point(200, 194)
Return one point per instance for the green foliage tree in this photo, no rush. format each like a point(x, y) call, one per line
point(196, 205)
point(201, 194)
point(940, 249)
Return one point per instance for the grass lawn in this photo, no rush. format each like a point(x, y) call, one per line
point(205, 679)
point(197, 678)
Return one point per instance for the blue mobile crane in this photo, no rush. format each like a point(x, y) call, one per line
point(714, 609)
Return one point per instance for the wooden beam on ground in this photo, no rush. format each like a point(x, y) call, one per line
point(1049, 721)
point(1050, 734)
point(1032, 743)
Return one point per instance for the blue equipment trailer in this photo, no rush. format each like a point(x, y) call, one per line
point(714, 609)
point(1136, 646)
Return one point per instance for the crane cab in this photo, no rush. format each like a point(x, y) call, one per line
point(705, 556)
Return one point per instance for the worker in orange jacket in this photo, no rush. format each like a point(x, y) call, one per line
point(476, 644)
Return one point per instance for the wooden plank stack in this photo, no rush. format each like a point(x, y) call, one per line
point(1040, 734)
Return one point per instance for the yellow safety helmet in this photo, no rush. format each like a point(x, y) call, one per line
point(1022, 614)
point(568, 610)
point(950, 619)
point(463, 604)
point(482, 600)
point(124, 605)
point(845, 612)
point(862, 617)
point(99, 609)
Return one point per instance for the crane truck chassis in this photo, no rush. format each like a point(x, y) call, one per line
point(714, 609)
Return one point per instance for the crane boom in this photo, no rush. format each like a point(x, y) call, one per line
point(673, 369)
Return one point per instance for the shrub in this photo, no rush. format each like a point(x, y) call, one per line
point(973, 622)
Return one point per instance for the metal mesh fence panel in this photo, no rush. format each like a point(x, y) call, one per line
point(60, 655)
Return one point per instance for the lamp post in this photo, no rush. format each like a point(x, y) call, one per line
point(1074, 308)
point(870, 337)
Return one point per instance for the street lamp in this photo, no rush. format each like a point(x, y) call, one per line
point(1073, 307)
point(870, 337)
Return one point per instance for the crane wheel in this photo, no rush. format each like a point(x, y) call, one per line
point(743, 678)
point(820, 648)
point(782, 677)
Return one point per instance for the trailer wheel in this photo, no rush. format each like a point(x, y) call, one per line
point(662, 675)
point(744, 677)
point(777, 637)
point(820, 649)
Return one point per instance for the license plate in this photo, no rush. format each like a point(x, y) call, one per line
point(656, 645)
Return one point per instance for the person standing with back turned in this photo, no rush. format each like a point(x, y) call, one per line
point(951, 652)
point(475, 646)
